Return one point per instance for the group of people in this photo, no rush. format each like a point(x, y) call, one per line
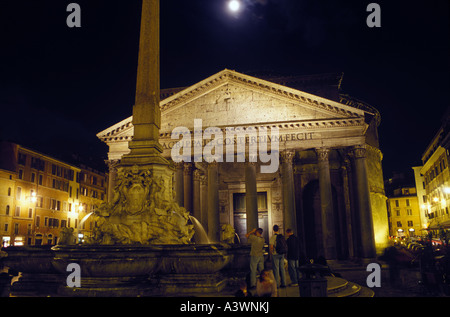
point(279, 248)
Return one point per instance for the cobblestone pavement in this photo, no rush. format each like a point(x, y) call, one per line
point(408, 283)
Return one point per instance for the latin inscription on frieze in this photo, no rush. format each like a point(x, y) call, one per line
point(289, 137)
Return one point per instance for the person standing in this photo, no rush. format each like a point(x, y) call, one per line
point(292, 256)
point(257, 242)
point(277, 248)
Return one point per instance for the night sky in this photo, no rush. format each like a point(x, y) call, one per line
point(60, 86)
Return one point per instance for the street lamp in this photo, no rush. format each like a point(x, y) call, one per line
point(33, 197)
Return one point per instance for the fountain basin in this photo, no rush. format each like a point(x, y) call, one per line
point(30, 259)
point(126, 270)
point(38, 276)
point(109, 260)
point(194, 258)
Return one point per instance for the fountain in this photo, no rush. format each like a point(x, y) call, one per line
point(200, 235)
point(141, 245)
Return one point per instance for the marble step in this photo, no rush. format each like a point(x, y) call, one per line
point(338, 287)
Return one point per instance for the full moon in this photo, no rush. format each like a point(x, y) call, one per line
point(234, 5)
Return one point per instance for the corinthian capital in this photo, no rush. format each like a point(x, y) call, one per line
point(213, 164)
point(187, 168)
point(178, 165)
point(203, 179)
point(359, 151)
point(287, 156)
point(322, 153)
point(197, 175)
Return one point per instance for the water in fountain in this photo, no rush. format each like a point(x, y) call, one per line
point(237, 237)
point(81, 224)
point(200, 236)
point(85, 218)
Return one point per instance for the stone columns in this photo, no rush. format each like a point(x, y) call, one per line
point(326, 204)
point(347, 201)
point(367, 240)
point(251, 196)
point(213, 202)
point(287, 175)
point(196, 205)
point(179, 184)
point(187, 179)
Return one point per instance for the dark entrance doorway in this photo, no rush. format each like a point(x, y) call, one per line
point(311, 215)
point(240, 221)
point(312, 222)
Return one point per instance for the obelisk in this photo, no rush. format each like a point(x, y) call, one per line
point(143, 209)
point(145, 148)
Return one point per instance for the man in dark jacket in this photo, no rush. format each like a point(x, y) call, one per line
point(292, 256)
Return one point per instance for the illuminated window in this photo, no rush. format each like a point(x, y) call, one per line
point(19, 193)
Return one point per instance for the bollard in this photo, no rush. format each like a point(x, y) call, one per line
point(312, 283)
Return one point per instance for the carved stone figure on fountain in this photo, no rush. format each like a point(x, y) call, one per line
point(227, 233)
point(141, 212)
point(67, 237)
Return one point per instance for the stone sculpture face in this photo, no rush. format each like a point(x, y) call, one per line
point(141, 212)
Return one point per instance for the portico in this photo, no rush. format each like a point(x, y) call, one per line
point(329, 184)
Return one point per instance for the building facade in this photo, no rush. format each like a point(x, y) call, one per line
point(404, 213)
point(422, 197)
point(328, 185)
point(40, 195)
point(436, 175)
point(7, 190)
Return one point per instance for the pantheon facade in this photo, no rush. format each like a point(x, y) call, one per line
point(329, 184)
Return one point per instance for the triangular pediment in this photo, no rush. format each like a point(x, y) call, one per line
point(229, 98)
